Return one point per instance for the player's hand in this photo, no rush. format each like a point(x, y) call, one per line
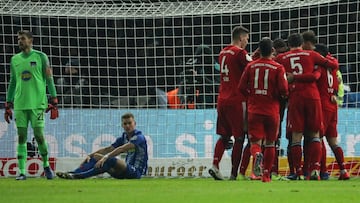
point(52, 107)
point(8, 115)
point(87, 159)
point(290, 77)
point(101, 162)
point(333, 99)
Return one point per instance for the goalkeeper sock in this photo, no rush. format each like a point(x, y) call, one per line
point(85, 166)
point(218, 152)
point(22, 156)
point(245, 159)
point(236, 156)
point(339, 155)
point(109, 163)
point(44, 154)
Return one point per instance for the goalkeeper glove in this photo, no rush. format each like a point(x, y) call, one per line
point(8, 113)
point(52, 107)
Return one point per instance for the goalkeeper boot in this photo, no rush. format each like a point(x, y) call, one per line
point(48, 173)
point(344, 175)
point(21, 177)
point(215, 173)
point(258, 164)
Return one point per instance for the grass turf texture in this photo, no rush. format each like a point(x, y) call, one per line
point(176, 190)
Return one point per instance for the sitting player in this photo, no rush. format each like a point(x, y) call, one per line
point(104, 160)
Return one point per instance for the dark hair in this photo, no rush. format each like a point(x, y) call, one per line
point(309, 36)
point(127, 115)
point(239, 30)
point(265, 46)
point(27, 33)
point(295, 40)
point(322, 49)
point(279, 43)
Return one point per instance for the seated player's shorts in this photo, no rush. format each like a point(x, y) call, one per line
point(330, 123)
point(304, 114)
point(130, 173)
point(231, 118)
point(263, 127)
point(34, 116)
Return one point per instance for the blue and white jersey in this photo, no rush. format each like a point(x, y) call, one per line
point(137, 157)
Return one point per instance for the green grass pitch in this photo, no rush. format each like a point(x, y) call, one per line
point(174, 190)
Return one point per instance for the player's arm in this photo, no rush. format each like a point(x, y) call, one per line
point(282, 83)
point(10, 95)
point(52, 107)
point(324, 62)
point(121, 149)
point(304, 78)
point(244, 80)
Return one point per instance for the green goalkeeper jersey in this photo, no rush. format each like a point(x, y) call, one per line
point(27, 88)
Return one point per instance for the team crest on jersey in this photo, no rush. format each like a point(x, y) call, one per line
point(26, 75)
point(32, 64)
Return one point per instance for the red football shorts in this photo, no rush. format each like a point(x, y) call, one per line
point(330, 123)
point(263, 127)
point(231, 118)
point(304, 115)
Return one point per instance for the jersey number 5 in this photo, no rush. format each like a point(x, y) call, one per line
point(294, 64)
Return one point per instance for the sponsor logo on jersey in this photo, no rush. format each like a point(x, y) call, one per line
point(32, 64)
point(26, 75)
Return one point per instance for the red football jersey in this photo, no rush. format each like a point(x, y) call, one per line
point(232, 60)
point(264, 82)
point(328, 84)
point(299, 62)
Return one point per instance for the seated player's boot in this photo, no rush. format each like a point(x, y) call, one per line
point(258, 164)
point(215, 173)
point(324, 175)
point(315, 175)
point(266, 177)
point(48, 173)
point(295, 177)
point(254, 177)
point(21, 177)
point(344, 175)
point(65, 175)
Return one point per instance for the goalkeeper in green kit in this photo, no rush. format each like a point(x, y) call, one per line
point(30, 73)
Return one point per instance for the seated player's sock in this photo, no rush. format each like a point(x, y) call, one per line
point(339, 155)
point(44, 154)
point(245, 159)
point(85, 166)
point(22, 156)
point(218, 152)
point(109, 163)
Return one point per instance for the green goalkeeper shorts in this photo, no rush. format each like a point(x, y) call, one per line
point(34, 116)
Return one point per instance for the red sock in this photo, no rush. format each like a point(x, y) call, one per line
point(275, 166)
point(236, 157)
point(245, 159)
point(254, 149)
point(218, 153)
point(269, 155)
point(323, 167)
point(296, 154)
point(307, 156)
point(339, 155)
point(290, 161)
point(315, 151)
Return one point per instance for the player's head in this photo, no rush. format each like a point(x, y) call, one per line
point(295, 40)
point(280, 46)
point(25, 39)
point(309, 40)
point(128, 122)
point(266, 47)
point(240, 36)
point(322, 49)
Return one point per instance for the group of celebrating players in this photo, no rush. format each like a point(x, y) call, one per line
point(253, 94)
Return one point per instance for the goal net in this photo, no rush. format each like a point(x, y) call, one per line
point(112, 57)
